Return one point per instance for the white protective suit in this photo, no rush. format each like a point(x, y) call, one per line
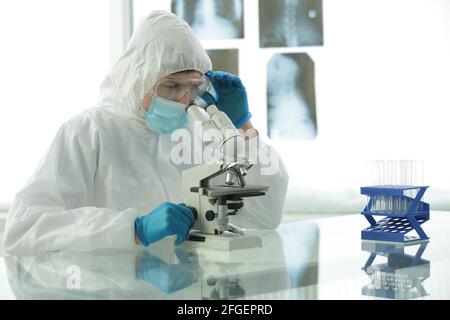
point(105, 167)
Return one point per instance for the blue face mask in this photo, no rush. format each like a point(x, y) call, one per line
point(165, 116)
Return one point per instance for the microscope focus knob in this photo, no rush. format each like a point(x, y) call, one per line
point(210, 215)
point(194, 212)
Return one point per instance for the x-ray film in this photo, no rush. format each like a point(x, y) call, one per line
point(290, 23)
point(291, 105)
point(212, 19)
point(225, 60)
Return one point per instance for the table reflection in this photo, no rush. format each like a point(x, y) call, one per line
point(165, 271)
point(401, 276)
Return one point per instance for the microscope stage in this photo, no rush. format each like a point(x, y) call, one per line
point(227, 241)
point(216, 191)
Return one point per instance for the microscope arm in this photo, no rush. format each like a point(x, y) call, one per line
point(232, 143)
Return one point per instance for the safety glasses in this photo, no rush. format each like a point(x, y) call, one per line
point(179, 88)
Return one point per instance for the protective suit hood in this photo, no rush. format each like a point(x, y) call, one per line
point(161, 45)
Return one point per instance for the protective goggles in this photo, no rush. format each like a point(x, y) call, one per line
point(176, 88)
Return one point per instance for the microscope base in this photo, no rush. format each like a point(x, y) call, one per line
point(227, 241)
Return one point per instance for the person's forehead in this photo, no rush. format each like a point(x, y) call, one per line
point(190, 74)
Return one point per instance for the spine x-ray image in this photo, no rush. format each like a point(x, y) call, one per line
point(291, 106)
point(290, 23)
point(225, 60)
point(212, 19)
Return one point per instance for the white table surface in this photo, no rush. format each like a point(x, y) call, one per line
point(321, 259)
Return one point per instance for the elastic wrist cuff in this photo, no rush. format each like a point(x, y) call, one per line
point(138, 228)
point(243, 120)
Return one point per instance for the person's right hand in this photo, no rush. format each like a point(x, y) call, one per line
point(166, 220)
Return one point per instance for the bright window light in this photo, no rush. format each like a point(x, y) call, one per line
point(54, 56)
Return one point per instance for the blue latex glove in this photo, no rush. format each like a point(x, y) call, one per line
point(166, 220)
point(231, 96)
point(167, 277)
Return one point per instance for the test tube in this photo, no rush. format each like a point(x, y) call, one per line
point(377, 278)
point(384, 279)
point(400, 204)
point(411, 173)
point(378, 165)
point(422, 172)
point(405, 179)
point(395, 182)
point(373, 173)
point(390, 172)
point(386, 172)
point(403, 170)
point(381, 172)
point(407, 173)
point(396, 204)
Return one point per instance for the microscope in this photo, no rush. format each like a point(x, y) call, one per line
point(215, 191)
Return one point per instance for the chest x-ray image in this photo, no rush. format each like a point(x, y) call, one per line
point(291, 106)
point(225, 60)
point(290, 23)
point(212, 19)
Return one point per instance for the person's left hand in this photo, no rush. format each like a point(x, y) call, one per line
point(231, 96)
point(167, 277)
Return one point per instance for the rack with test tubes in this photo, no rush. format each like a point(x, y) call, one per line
point(396, 193)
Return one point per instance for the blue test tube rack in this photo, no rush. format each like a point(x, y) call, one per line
point(399, 220)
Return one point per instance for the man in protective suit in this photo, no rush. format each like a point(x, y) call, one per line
point(107, 180)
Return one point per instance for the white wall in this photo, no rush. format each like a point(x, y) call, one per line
point(53, 56)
